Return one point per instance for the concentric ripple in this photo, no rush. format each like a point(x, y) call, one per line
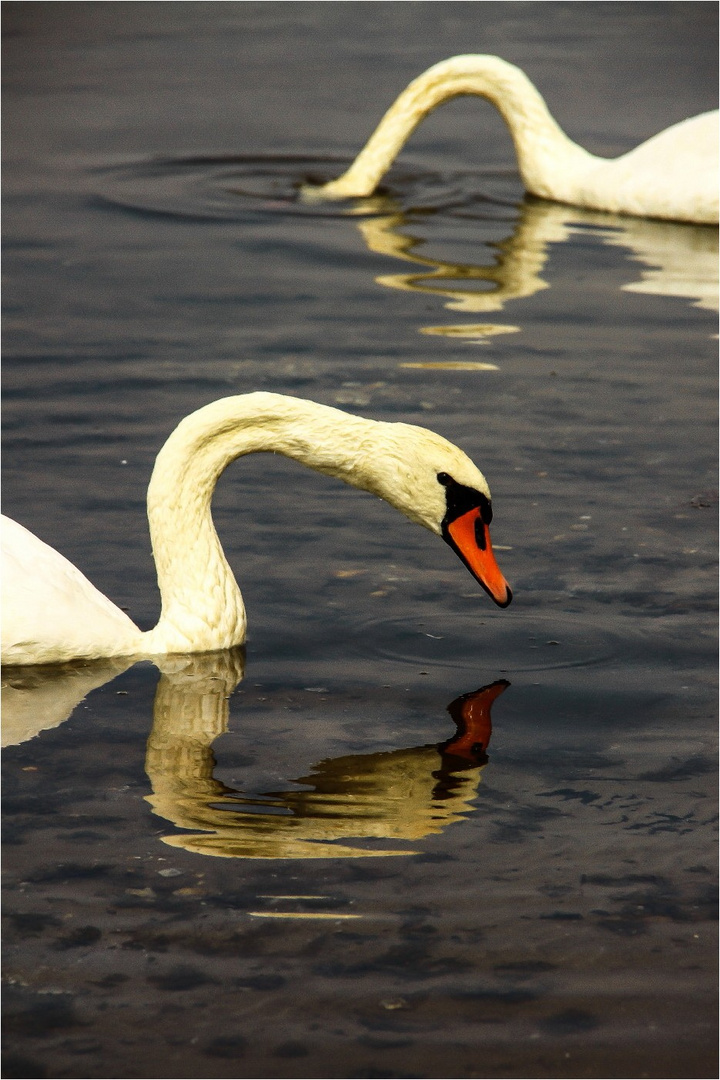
point(230, 188)
point(509, 643)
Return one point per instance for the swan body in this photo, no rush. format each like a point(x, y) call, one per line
point(673, 175)
point(52, 614)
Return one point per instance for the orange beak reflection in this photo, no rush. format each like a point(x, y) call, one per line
point(470, 537)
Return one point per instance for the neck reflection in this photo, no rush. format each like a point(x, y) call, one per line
point(348, 804)
point(674, 259)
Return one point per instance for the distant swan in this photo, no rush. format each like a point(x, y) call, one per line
point(673, 175)
point(51, 613)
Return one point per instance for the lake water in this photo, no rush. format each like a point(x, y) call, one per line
point(290, 862)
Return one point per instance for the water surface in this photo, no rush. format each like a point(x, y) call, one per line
point(295, 861)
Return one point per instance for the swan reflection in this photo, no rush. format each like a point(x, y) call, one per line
point(36, 699)
point(677, 260)
point(399, 795)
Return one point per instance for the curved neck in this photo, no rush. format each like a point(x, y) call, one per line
point(540, 143)
point(202, 607)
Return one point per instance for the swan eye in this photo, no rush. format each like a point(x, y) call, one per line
point(459, 499)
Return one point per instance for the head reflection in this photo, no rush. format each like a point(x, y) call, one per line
point(347, 803)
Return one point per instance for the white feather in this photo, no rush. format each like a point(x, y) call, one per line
point(673, 175)
point(51, 613)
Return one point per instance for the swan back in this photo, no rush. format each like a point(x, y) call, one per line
point(50, 611)
point(672, 176)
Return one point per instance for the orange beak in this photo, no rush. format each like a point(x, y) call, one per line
point(470, 537)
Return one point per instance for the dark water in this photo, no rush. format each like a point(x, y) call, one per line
point(315, 870)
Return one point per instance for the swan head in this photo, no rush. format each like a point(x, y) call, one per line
point(432, 482)
point(466, 528)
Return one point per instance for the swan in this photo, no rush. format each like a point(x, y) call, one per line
point(52, 614)
point(673, 175)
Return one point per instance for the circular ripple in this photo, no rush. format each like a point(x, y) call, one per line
point(508, 643)
point(230, 188)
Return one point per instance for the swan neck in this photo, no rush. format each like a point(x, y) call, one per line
point(540, 143)
point(202, 606)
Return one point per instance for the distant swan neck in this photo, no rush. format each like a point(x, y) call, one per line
point(540, 144)
point(202, 607)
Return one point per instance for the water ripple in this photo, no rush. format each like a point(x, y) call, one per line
point(230, 188)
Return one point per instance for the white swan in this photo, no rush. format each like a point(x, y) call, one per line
point(674, 175)
point(51, 613)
